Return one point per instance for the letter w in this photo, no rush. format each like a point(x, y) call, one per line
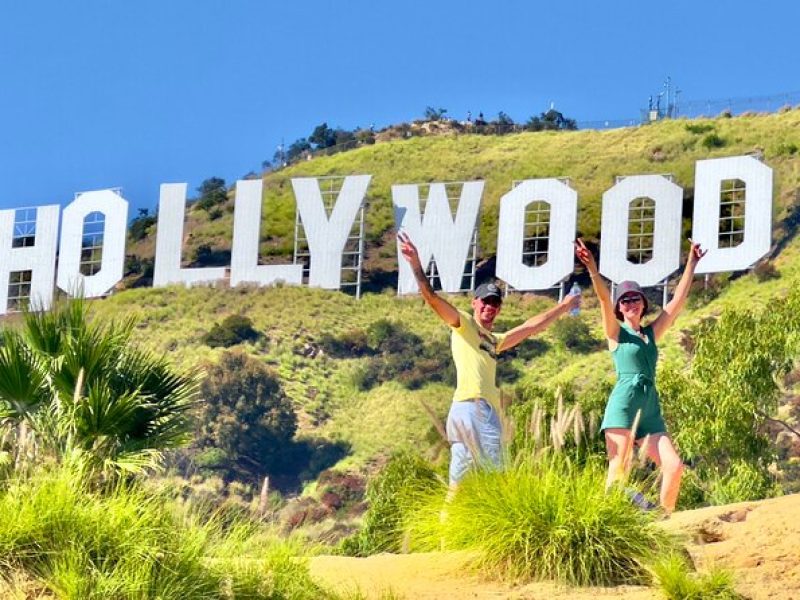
point(437, 235)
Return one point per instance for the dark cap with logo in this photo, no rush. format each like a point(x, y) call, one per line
point(488, 290)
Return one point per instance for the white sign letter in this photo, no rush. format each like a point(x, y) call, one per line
point(668, 199)
point(437, 235)
point(169, 242)
point(327, 237)
point(563, 203)
point(757, 178)
point(114, 209)
point(246, 234)
point(39, 258)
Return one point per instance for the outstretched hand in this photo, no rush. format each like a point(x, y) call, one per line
point(696, 253)
point(408, 249)
point(585, 256)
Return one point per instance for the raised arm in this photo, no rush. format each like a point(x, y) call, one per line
point(446, 311)
point(675, 306)
point(537, 323)
point(610, 323)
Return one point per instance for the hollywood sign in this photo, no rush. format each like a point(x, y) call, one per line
point(438, 233)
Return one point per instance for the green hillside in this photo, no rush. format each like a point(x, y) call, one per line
point(590, 158)
point(292, 420)
point(328, 391)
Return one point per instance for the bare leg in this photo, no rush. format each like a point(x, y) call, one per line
point(662, 451)
point(617, 440)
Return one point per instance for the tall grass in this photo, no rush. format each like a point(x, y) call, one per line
point(544, 518)
point(73, 543)
point(673, 576)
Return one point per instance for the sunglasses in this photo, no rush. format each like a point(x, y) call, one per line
point(492, 301)
point(630, 300)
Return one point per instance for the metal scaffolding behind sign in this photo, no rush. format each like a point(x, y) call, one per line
point(536, 239)
point(453, 189)
point(353, 251)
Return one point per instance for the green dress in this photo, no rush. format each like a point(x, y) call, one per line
point(635, 364)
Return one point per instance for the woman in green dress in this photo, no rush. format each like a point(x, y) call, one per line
point(633, 349)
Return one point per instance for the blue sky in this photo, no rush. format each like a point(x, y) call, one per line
point(97, 94)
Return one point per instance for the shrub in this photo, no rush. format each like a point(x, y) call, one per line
point(765, 271)
point(340, 490)
point(786, 149)
point(82, 390)
point(233, 330)
point(246, 415)
point(125, 543)
point(205, 255)
point(212, 193)
point(676, 582)
point(396, 354)
point(140, 226)
point(351, 344)
point(392, 497)
point(699, 127)
point(717, 407)
point(544, 518)
point(740, 482)
point(712, 140)
point(388, 337)
point(575, 334)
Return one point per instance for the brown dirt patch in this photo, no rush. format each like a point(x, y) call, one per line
point(758, 541)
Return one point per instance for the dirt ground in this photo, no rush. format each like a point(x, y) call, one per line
point(759, 542)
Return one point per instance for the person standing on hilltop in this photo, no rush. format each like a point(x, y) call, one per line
point(473, 423)
point(633, 413)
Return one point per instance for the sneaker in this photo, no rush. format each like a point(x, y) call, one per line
point(637, 499)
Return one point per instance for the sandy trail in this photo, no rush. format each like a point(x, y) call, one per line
point(758, 541)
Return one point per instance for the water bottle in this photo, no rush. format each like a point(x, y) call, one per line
point(575, 290)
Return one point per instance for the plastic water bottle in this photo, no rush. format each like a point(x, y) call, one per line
point(575, 290)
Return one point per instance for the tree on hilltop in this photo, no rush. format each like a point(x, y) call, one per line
point(212, 193)
point(434, 114)
point(552, 120)
point(323, 136)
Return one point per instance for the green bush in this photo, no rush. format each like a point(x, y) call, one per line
point(698, 127)
point(233, 330)
point(675, 580)
point(544, 518)
point(206, 256)
point(139, 227)
point(246, 417)
point(717, 406)
point(212, 193)
point(574, 334)
point(392, 497)
point(712, 140)
point(740, 482)
point(125, 543)
point(75, 388)
point(395, 354)
point(786, 149)
point(351, 344)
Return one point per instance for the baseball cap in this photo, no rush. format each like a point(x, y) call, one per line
point(488, 290)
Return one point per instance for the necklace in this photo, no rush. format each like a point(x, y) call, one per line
point(640, 334)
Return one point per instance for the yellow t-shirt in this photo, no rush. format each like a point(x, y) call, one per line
point(475, 355)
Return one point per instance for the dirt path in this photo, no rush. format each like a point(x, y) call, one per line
point(758, 541)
